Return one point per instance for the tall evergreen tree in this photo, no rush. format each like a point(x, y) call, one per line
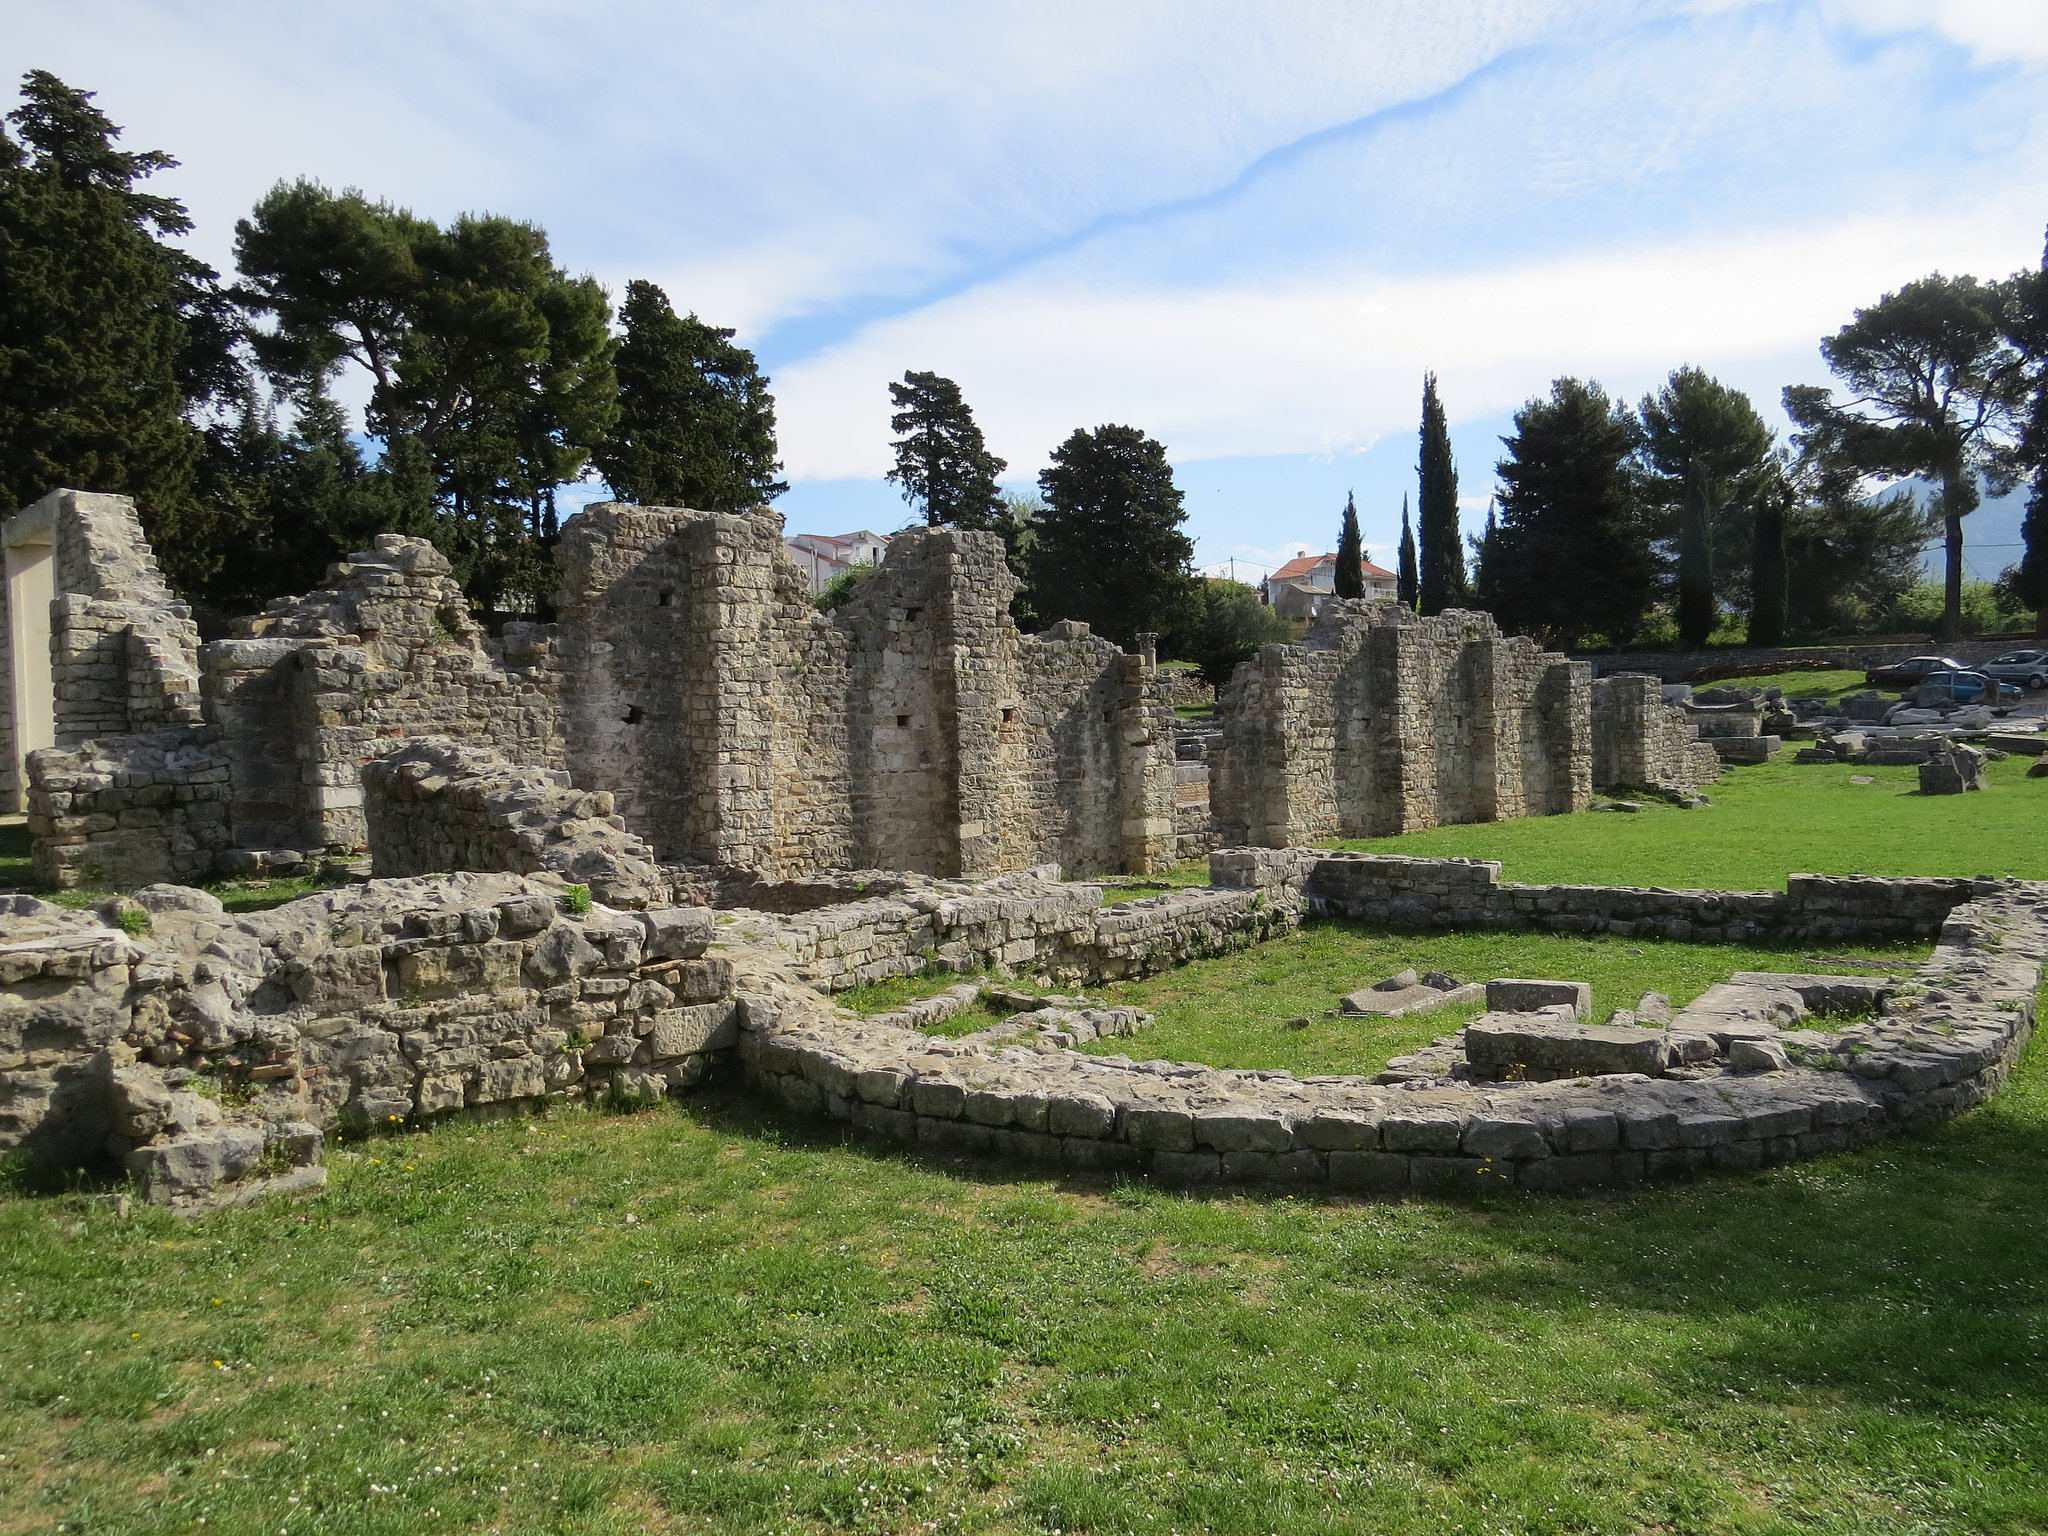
point(943, 466)
point(1406, 582)
point(696, 423)
point(95, 312)
point(1108, 549)
point(1936, 393)
point(1443, 548)
point(1572, 555)
point(1708, 453)
point(1767, 568)
point(2027, 328)
point(1350, 553)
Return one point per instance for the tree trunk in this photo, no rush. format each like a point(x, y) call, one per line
point(1767, 575)
point(1952, 585)
point(1695, 568)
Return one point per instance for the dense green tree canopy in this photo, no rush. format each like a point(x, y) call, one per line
point(1935, 392)
point(1223, 623)
point(1108, 548)
point(1709, 459)
point(487, 361)
point(943, 465)
point(696, 423)
point(1572, 556)
point(96, 344)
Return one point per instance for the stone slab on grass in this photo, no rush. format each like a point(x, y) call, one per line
point(1556, 1044)
point(1517, 995)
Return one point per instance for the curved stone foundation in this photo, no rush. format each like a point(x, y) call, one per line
point(382, 1004)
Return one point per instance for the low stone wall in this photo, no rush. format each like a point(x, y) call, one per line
point(1942, 1046)
point(130, 810)
point(1879, 651)
point(436, 805)
point(367, 1006)
point(1453, 893)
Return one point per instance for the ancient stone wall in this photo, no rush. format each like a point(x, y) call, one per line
point(130, 810)
point(1642, 742)
point(1381, 722)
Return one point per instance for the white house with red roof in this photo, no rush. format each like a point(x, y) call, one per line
point(1299, 588)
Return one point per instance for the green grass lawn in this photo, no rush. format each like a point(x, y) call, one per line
point(1769, 821)
point(1239, 1010)
point(792, 1333)
point(1831, 683)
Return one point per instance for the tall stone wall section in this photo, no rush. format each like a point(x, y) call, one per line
point(913, 729)
point(1640, 741)
point(1381, 722)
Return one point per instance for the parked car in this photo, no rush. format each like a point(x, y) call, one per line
point(1904, 674)
point(1939, 688)
point(2028, 667)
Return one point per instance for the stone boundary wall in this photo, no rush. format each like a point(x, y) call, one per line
point(1704, 666)
point(1943, 1045)
point(437, 806)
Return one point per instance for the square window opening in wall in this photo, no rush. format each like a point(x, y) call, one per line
point(633, 714)
point(912, 615)
point(665, 600)
point(903, 722)
point(1109, 714)
point(1009, 717)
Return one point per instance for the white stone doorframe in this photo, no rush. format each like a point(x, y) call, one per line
point(27, 691)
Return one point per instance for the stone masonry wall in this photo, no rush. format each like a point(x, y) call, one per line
point(1640, 741)
point(130, 810)
point(1381, 722)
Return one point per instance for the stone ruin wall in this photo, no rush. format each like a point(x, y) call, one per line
point(399, 1001)
point(689, 676)
point(1639, 740)
point(1381, 722)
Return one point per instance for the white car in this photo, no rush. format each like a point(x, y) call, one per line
point(2029, 668)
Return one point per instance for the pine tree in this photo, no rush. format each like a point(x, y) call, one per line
point(1572, 556)
point(696, 423)
point(1405, 580)
point(1350, 553)
point(943, 466)
point(1108, 549)
point(93, 315)
point(1443, 549)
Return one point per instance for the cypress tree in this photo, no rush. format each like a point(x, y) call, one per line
point(1405, 581)
point(1767, 574)
point(943, 466)
point(1482, 560)
point(696, 423)
point(1350, 553)
point(1443, 549)
point(1707, 451)
point(1108, 549)
point(93, 335)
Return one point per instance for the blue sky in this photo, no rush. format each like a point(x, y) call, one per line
point(1246, 229)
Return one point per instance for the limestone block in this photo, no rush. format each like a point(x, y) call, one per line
point(195, 1163)
point(1508, 995)
point(686, 1031)
point(1554, 1044)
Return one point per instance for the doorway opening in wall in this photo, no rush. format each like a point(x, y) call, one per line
point(31, 573)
